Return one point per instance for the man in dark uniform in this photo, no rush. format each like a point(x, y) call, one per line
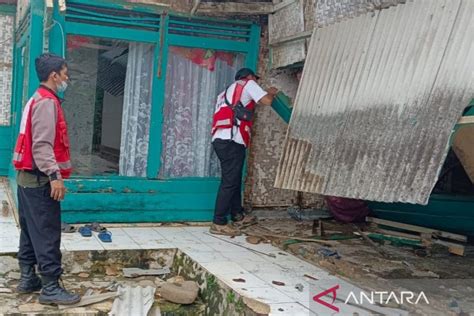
point(42, 159)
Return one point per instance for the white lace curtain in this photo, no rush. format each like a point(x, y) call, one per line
point(136, 111)
point(190, 97)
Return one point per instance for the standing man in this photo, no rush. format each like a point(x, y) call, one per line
point(42, 159)
point(231, 128)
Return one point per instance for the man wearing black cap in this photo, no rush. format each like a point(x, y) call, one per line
point(231, 129)
point(42, 159)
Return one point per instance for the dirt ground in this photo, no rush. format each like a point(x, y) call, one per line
point(373, 266)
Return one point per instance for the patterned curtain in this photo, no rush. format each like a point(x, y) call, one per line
point(136, 111)
point(194, 79)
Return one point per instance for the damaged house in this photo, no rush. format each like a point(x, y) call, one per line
point(375, 105)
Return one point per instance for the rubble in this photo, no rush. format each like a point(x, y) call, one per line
point(179, 291)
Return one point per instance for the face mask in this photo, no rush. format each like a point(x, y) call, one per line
point(62, 86)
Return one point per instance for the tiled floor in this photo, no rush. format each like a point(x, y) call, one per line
point(227, 261)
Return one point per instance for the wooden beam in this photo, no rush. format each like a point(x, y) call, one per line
point(417, 229)
point(219, 8)
point(292, 38)
point(282, 5)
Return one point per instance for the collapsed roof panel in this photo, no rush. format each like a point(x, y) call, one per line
point(379, 96)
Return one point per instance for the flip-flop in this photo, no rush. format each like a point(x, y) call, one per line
point(85, 231)
point(66, 228)
point(105, 236)
point(96, 227)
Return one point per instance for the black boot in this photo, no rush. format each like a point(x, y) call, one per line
point(29, 281)
point(53, 294)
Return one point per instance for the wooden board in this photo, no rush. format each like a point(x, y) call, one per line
point(419, 229)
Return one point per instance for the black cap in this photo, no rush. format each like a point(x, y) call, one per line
point(244, 72)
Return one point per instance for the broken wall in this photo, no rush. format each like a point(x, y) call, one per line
point(6, 61)
point(268, 134)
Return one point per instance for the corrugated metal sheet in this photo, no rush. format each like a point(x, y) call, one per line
point(135, 301)
point(379, 96)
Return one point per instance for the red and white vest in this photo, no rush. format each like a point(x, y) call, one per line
point(23, 156)
point(224, 115)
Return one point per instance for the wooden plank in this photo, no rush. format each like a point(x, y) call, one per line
point(137, 201)
point(219, 8)
point(279, 6)
point(129, 185)
point(292, 38)
point(417, 228)
point(133, 216)
point(453, 248)
point(398, 234)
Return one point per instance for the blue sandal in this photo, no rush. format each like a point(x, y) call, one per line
point(85, 231)
point(105, 236)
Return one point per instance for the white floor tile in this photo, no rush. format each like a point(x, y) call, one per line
point(147, 238)
point(176, 234)
point(223, 267)
point(193, 247)
point(267, 295)
point(120, 240)
point(242, 279)
point(285, 309)
point(202, 257)
point(9, 229)
point(222, 246)
point(245, 256)
point(74, 243)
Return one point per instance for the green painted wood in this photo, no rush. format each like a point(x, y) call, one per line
point(119, 5)
point(36, 43)
point(5, 149)
point(137, 216)
point(6, 9)
point(176, 15)
point(85, 19)
point(203, 31)
point(108, 16)
point(142, 186)
point(209, 43)
point(253, 47)
point(444, 212)
point(158, 100)
point(242, 28)
point(281, 105)
point(138, 201)
point(57, 34)
point(111, 32)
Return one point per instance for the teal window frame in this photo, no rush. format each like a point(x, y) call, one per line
point(114, 198)
point(162, 39)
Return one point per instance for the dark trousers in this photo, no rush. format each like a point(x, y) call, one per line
point(229, 197)
point(40, 222)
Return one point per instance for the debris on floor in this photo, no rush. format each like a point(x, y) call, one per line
point(179, 291)
point(133, 301)
point(136, 272)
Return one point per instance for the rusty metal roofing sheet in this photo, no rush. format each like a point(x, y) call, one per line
point(378, 98)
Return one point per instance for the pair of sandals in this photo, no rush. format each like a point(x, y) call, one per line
point(103, 234)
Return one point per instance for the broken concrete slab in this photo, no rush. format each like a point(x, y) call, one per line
point(258, 307)
point(7, 264)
